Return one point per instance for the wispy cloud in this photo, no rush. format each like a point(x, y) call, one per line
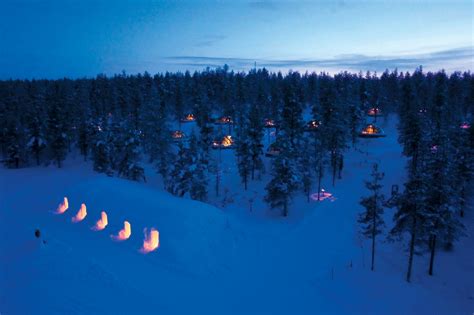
point(210, 40)
point(461, 58)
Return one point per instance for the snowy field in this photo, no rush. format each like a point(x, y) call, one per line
point(230, 256)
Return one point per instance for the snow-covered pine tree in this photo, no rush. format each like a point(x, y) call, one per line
point(442, 223)
point(291, 124)
point(317, 148)
point(285, 176)
point(129, 165)
point(284, 182)
point(410, 215)
point(156, 131)
point(101, 149)
point(244, 159)
point(14, 139)
point(372, 218)
point(178, 102)
point(35, 123)
point(202, 111)
point(412, 127)
point(333, 127)
point(179, 181)
point(197, 168)
point(305, 162)
point(462, 167)
point(36, 143)
point(86, 130)
point(56, 129)
point(254, 136)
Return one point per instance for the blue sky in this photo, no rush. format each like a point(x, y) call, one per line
point(51, 39)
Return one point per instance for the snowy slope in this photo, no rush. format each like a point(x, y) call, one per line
point(213, 259)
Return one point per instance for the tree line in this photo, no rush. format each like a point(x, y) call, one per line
point(121, 121)
point(437, 134)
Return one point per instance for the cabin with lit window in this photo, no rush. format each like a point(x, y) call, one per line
point(225, 143)
point(374, 112)
point(188, 118)
point(371, 131)
point(273, 150)
point(312, 125)
point(269, 123)
point(224, 120)
point(178, 135)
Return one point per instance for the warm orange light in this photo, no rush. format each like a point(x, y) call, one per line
point(81, 214)
point(178, 134)
point(189, 117)
point(227, 141)
point(63, 206)
point(102, 223)
point(124, 233)
point(151, 242)
point(370, 129)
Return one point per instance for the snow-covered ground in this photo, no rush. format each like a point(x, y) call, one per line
point(214, 258)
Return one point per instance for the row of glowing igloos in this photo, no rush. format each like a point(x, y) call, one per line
point(152, 237)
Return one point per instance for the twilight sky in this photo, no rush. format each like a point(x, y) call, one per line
point(52, 39)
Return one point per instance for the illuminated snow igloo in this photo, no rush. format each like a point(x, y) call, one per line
point(188, 118)
point(81, 214)
point(124, 233)
point(226, 143)
point(63, 206)
point(178, 135)
point(102, 223)
point(371, 131)
point(151, 241)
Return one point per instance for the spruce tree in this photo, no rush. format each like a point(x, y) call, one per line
point(317, 148)
point(333, 126)
point(179, 181)
point(285, 174)
point(156, 131)
point(410, 216)
point(283, 184)
point(244, 160)
point(101, 152)
point(305, 168)
point(254, 136)
point(14, 144)
point(129, 165)
point(371, 219)
point(442, 223)
point(36, 128)
point(198, 183)
point(56, 131)
point(462, 167)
